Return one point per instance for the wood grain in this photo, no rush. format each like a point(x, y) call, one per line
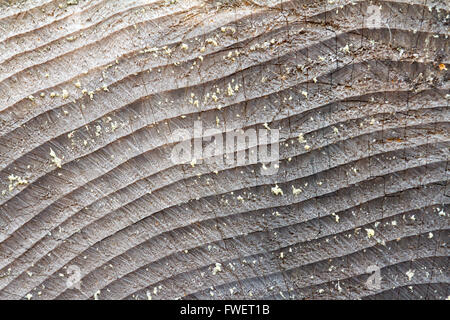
point(91, 93)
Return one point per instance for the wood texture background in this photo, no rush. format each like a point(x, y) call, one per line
point(101, 86)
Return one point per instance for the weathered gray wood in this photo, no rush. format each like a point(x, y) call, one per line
point(91, 94)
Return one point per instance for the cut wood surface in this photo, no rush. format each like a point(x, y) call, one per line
point(92, 94)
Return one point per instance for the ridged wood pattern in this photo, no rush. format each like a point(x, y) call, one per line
point(92, 91)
